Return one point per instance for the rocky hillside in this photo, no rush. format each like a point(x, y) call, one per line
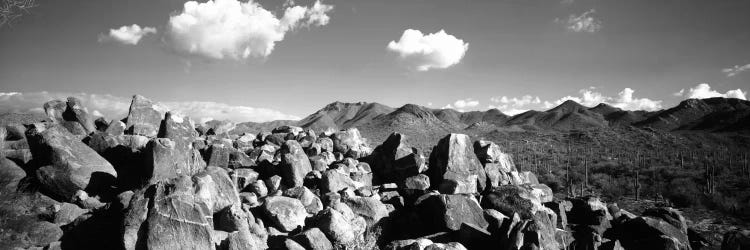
point(155, 180)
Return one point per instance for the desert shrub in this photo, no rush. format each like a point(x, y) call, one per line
point(609, 187)
point(553, 182)
point(683, 192)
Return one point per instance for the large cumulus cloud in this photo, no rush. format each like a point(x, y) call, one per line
point(230, 29)
point(703, 90)
point(424, 52)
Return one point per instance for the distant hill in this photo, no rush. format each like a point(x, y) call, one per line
point(714, 114)
point(339, 115)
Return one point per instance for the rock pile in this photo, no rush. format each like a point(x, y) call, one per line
point(156, 180)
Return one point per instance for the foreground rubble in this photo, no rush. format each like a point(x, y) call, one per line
point(156, 181)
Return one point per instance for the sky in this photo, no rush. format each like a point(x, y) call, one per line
point(267, 60)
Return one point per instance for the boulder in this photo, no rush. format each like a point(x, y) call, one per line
point(454, 168)
point(115, 128)
point(652, 233)
point(67, 164)
point(144, 117)
point(11, 175)
point(312, 203)
point(350, 143)
point(334, 225)
point(448, 211)
point(369, 208)
point(334, 181)
point(214, 188)
point(313, 239)
point(244, 177)
point(165, 159)
point(286, 213)
point(417, 182)
point(67, 213)
point(294, 164)
point(176, 220)
point(219, 155)
point(670, 215)
point(395, 160)
point(75, 111)
point(326, 144)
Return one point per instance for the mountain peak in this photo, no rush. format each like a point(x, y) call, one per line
point(568, 106)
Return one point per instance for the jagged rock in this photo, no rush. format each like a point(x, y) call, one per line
point(312, 203)
point(590, 211)
point(449, 211)
point(273, 184)
point(334, 181)
point(67, 213)
point(318, 163)
point(239, 159)
point(144, 117)
point(11, 175)
point(489, 152)
point(219, 155)
point(561, 208)
point(417, 182)
point(77, 112)
point(176, 220)
point(454, 168)
point(369, 208)
point(510, 199)
point(326, 144)
point(313, 239)
point(395, 160)
point(294, 164)
point(165, 159)
point(350, 143)
point(214, 188)
point(334, 225)
point(115, 128)
point(232, 218)
point(42, 233)
point(55, 109)
point(286, 213)
point(259, 188)
point(244, 177)
point(651, 233)
point(670, 215)
point(67, 164)
point(290, 244)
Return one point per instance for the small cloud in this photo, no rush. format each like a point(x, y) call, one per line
point(587, 97)
point(585, 22)
point(462, 105)
point(737, 69)
point(424, 52)
point(429, 104)
point(221, 29)
point(703, 90)
point(128, 35)
point(567, 2)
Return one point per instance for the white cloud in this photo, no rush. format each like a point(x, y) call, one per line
point(116, 107)
point(220, 29)
point(423, 52)
point(585, 22)
point(587, 97)
point(703, 91)
point(462, 105)
point(129, 35)
point(733, 71)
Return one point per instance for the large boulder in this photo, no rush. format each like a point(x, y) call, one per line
point(286, 213)
point(166, 159)
point(651, 233)
point(66, 164)
point(144, 117)
point(454, 168)
point(334, 225)
point(334, 181)
point(448, 211)
point(350, 143)
point(395, 160)
point(168, 215)
point(313, 239)
point(214, 188)
point(77, 112)
point(294, 164)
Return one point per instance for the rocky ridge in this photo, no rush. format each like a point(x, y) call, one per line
point(156, 180)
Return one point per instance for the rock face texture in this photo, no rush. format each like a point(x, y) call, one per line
point(454, 168)
point(144, 118)
point(158, 180)
point(67, 165)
